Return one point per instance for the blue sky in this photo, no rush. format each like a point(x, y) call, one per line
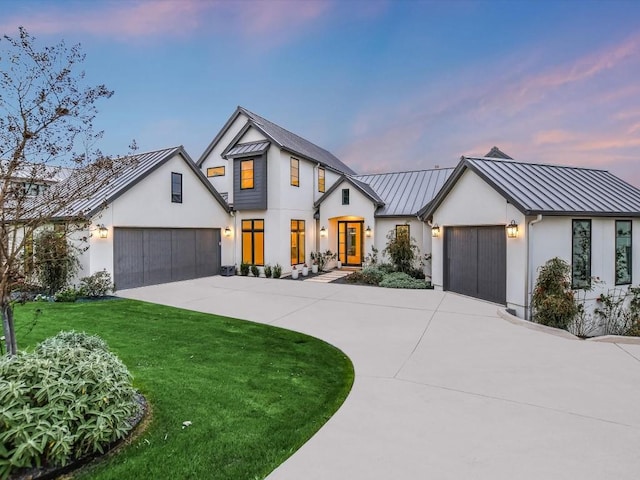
point(384, 85)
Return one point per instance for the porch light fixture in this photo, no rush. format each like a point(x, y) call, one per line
point(368, 231)
point(512, 229)
point(102, 231)
point(435, 230)
point(227, 232)
point(323, 232)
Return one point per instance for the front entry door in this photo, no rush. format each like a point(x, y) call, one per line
point(350, 243)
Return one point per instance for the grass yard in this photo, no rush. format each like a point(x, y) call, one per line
point(254, 393)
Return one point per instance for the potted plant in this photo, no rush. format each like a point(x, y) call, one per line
point(268, 271)
point(255, 271)
point(244, 269)
point(277, 270)
point(305, 270)
point(294, 273)
point(314, 266)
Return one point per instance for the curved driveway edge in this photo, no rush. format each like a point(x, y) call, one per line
point(444, 389)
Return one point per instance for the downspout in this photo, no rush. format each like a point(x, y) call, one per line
point(529, 274)
point(313, 201)
point(235, 233)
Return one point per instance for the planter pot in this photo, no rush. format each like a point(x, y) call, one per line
point(305, 271)
point(314, 268)
point(261, 274)
point(339, 263)
point(294, 274)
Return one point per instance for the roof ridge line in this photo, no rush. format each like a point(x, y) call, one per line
point(536, 164)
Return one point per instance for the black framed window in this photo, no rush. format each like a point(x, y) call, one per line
point(623, 252)
point(253, 242)
point(321, 180)
point(581, 254)
point(246, 174)
point(297, 242)
point(345, 196)
point(176, 187)
point(216, 171)
point(295, 172)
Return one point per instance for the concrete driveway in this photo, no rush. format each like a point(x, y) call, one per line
point(444, 389)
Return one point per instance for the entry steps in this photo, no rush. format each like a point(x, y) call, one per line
point(328, 276)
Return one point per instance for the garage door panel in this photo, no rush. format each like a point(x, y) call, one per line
point(476, 262)
point(149, 256)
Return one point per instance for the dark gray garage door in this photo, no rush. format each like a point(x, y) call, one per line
point(148, 256)
point(476, 262)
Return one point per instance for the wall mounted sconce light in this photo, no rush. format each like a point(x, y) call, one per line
point(227, 232)
point(512, 229)
point(435, 230)
point(368, 231)
point(102, 231)
point(323, 232)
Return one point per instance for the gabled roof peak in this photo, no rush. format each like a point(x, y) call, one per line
point(495, 152)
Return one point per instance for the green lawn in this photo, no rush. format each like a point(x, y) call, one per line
point(254, 393)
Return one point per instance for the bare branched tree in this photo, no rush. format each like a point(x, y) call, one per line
point(48, 165)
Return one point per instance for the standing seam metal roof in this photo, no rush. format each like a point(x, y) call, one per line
point(248, 148)
point(405, 193)
point(555, 189)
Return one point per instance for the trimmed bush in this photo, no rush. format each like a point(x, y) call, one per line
point(97, 285)
point(268, 271)
point(244, 269)
point(255, 271)
point(69, 398)
point(277, 270)
point(401, 280)
point(554, 303)
point(68, 294)
point(369, 275)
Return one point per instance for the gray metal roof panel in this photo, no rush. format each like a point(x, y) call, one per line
point(296, 144)
point(243, 149)
point(405, 193)
point(555, 189)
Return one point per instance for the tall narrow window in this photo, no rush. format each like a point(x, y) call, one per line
point(176, 187)
point(215, 171)
point(321, 173)
point(295, 172)
point(253, 242)
point(246, 174)
point(403, 231)
point(345, 196)
point(623, 252)
point(297, 242)
point(581, 254)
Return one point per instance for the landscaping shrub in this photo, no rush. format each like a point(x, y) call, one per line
point(244, 269)
point(255, 271)
point(97, 285)
point(268, 271)
point(369, 275)
point(401, 280)
point(68, 294)
point(277, 271)
point(416, 273)
point(54, 260)
point(69, 398)
point(619, 311)
point(402, 250)
point(553, 301)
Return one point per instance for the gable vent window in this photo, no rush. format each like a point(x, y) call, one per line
point(176, 187)
point(623, 252)
point(246, 174)
point(215, 171)
point(581, 254)
point(345, 196)
point(321, 183)
point(295, 172)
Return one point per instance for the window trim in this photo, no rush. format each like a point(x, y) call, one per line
point(300, 238)
point(575, 286)
point(253, 232)
point(321, 179)
point(252, 170)
point(615, 254)
point(345, 196)
point(294, 172)
point(210, 170)
point(404, 225)
point(176, 197)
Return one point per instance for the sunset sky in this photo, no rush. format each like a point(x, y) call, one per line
point(384, 85)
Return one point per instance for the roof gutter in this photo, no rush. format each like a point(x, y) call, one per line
point(529, 273)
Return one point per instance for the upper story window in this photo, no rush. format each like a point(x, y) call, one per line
point(176, 187)
point(345, 196)
point(246, 174)
point(295, 172)
point(403, 231)
point(321, 176)
point(33, 189)
point(215, 171)
point(623, 252)
point(581, 254)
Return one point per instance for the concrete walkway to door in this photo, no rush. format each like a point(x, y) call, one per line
point(444, 388)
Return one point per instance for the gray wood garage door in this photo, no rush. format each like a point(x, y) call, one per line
point(148, 256)
point(476, 262)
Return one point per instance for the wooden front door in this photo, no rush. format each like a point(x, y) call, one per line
point(350, 246)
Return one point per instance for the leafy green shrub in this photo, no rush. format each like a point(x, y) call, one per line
point(416, 273)
point(553, 301)
point(69, 398)
point(619, 311)
point(54, 260)
point(370, 275)
point(277, 271)
point(68, 294)
point(401, 280)
point(97, 285)
point(268, 271)
point(402, 250)
point(244, 269)
point(255, 271)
